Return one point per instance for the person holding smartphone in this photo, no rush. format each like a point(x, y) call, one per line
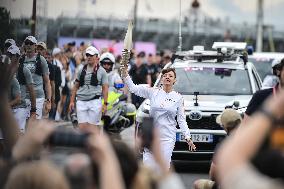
point(167, 109)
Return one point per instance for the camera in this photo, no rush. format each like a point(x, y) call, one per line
point(68, 138)
point(74, 118)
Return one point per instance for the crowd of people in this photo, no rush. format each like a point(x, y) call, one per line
point(41, 87)
point(56, 72)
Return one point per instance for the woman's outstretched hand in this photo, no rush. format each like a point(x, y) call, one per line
point(191, 146)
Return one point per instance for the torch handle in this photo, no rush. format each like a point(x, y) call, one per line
point(124, 62)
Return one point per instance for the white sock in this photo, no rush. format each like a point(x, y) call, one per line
point(57, 116)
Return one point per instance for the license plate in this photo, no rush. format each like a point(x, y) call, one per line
point(205, 138)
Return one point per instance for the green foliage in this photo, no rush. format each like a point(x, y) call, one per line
point(6, 27)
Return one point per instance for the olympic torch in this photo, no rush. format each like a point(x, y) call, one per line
point(127, 46)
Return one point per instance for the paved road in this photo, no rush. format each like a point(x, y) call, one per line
point(188, 172)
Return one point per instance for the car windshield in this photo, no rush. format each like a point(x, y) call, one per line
point(212, 81)
point(262, 65)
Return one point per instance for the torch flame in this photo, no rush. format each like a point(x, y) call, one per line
point(128, 37)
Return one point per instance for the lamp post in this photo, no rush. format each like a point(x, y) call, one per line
point(33, 21)
point(259, 26)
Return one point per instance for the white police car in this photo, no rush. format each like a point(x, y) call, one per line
point(209, 81)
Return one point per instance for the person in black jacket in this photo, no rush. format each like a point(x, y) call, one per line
point(140, 75)
point(260, 96)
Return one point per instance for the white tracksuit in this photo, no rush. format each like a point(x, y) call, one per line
point(164, 108)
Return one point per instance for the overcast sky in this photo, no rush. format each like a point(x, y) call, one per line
point(237, 10)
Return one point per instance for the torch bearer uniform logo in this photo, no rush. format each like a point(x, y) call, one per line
point(195, 115)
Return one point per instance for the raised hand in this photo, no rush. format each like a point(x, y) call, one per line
point(124, 63)
point(191, 146)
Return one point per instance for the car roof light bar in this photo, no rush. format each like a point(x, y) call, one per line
point(230, 45)
point(200, 56)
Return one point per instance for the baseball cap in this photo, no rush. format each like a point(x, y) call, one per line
point(228, 116)
point(275, 62)
point(107, 55)
point(11, 41)
point(13, 49)
point(56, 51)
point(42, 44)
point(32, 39)
point(92, 51)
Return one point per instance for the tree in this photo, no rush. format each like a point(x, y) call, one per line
point(7, 28)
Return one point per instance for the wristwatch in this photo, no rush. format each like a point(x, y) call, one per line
point(105, 103)
point(47, 100)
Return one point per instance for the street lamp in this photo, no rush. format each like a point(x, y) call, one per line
point(33, 21)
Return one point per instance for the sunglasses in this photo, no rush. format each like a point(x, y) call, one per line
point(10, 55)
point(7, 45)
point(29, 43)
point(89, 55)
point(39, 48)
point(107, 63)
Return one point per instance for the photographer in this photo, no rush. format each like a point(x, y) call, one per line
point(234, 168)
point(260, 96)
point(91, 84)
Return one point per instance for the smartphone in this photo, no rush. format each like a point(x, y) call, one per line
point(67, 138)
point(147, 127)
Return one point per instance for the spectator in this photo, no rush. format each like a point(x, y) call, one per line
point(71, 64)
point(153, 69)
point(24, 77)
point(269, 81)
point(102, 152)
point(128, 163)
point(14, 94)
point(78, 170)
point(233, 158)
point(260, 96)
point(65, 94)
point(158, 58)
point(56, 53)
point(39, 69)
point(8, 43)
point(36, 175)
point(230, 119)
point(166, 58)
point(140, 75)
point(8, 126)
point(42, 50)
